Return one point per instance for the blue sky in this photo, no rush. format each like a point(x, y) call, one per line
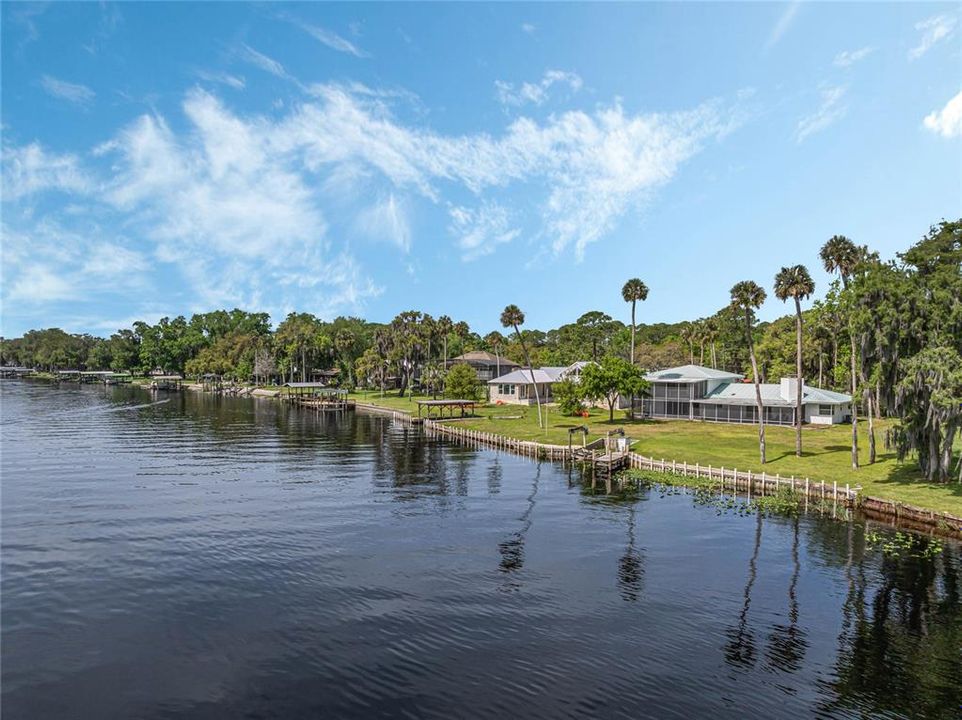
point(163, 159)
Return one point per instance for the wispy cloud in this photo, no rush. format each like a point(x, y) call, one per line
point(235, 81)
point(480, 231)
point(238, 206)
point(946, 122)
point(333, 40)
point(262, 61)
point(847, 58)
point(535, 93)
point(934, 30)
point(326, 37)
point(783, 23)
point(831, 110)
point(30, 169)
point(387, 220)
point(528, 28)
point(71, 92)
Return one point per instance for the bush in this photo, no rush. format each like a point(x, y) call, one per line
point(568, 396)
point(462, 383)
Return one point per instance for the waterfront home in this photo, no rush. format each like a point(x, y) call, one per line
point(487, 365)
point(693, 392)
point(517, 388)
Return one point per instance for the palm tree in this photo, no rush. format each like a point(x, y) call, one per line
point(687, 335)
point(841, 255)
point(700, 336)
point(444, 326)
point(512, 317)
point(495, 341)
point(747, 296)
point(343, 342)
point(795, 282)
point(709, 330)
point(633, 291)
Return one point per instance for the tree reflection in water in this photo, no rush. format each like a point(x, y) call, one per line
point(787, 643)
point(512, 549)
point(899, 649)
point(740, 649)
point(630, 566)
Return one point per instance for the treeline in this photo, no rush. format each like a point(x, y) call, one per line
point(888, 332)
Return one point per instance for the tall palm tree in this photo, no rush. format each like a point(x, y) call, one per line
point(841, 255)
point(709, 330)
point(444, 326)
point(747, 297)
point(633, 291)
point(795, 282)
point(495, 341)
point(700, 336)
point(512, 317)
point(687, 335)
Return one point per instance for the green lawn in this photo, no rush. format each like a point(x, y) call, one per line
point(827, 451)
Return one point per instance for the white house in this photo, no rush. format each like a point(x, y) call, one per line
point(693, 392)
point(517, 388)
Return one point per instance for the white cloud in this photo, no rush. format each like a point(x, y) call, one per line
point(387, 219)
point(40, 284)
point(783, 23)
point(71, 92)
point(933, 30)
point(330, 39)
point(265, 63)
point(235, 81)
point(480, 231)
point(847, 58)
point(31, 169)
point(830, 111)
point(946, 122)
point(528, 28)
point(238, 205)
point(536, 93)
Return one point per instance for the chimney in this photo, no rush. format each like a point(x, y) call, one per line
point(789, 387)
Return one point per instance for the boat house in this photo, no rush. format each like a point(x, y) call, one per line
point(693, 392)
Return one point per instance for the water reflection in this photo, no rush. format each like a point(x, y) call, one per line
point(222, 557)
point(787, 643)
point(740, 651)
point(512, 549)
point(630, 565)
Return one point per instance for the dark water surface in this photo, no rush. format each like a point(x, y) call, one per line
point(223, 558)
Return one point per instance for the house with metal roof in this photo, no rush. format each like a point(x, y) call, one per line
point(693, 392)
point(517, 387)
point(487, 365)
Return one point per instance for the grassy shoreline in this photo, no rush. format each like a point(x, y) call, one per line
point(826, 456)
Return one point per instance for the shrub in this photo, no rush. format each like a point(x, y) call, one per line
point(462, 383)
point(568, 396)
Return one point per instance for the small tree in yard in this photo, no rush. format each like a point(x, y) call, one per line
point(569, 397)
point(462, 383)
point(609, 379)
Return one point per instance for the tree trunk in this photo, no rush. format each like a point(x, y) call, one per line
point(632, 332)
point(798, 377)
point(821, 366)
point(537, 395)
point(714, 362)
point(701, 354)
point(854, 406)
point(834, 358)
point(758, 389)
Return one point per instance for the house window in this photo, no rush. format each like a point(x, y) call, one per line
point(825, 410)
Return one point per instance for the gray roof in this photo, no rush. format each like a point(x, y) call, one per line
point(547, 374)
point(744, 394)
point(690, 373)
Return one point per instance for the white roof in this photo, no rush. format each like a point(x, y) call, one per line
point(744, 393)
point(690, 373)
point(547, 374)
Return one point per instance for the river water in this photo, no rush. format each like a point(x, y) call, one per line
point(193, 556)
